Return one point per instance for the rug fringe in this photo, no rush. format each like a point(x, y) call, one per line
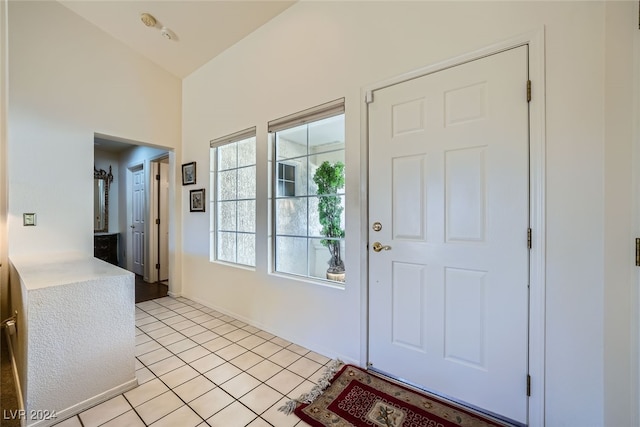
point(317, 390)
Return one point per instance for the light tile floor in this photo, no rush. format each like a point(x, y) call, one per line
point(198, 367)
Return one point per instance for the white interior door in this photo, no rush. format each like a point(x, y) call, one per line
point(448, 183)
point(137, 220)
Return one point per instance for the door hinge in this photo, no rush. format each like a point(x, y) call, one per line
point(528, 90)
point(157, 177)
point(638, 252)
point(158, 221)
point(157, 266)
point(528, 385)
point(368, 97)
point(529, 238)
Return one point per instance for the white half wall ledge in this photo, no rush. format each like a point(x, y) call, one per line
point(77, 332)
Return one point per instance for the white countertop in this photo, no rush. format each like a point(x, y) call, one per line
point(46, 270)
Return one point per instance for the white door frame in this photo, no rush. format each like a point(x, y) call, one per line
point(154, 185)
point(635, 304)
point(535, 42)
point(154, 165)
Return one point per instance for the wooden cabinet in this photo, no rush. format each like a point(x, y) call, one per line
point(105, 247)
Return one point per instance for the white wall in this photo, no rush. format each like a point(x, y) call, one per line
point(318, 51)
point(68, 80)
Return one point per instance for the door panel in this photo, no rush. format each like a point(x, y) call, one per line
point(465, 203)
point(137, 220)
point(408, 290)
point(409, 220)
point(464, 325)
point(448, 177)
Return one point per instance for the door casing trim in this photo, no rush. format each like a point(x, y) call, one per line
point(535, 41)
point(154, 162)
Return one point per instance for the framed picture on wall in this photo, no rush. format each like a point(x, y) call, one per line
point(196, 200)
point(189, 173)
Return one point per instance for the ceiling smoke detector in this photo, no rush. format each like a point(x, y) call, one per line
point(166, 33)
point(148, 19)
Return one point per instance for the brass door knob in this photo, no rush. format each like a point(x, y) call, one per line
point(377, 247)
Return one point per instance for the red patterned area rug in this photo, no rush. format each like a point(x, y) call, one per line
point(355, 397)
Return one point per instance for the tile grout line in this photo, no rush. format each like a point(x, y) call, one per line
point(188, 312)
point(246, 351)
point(134, 410)
point(260, 382)
point(171, 388)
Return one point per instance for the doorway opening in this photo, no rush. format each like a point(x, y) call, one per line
point(137, 202)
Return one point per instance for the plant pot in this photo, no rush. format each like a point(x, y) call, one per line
point(338, 277)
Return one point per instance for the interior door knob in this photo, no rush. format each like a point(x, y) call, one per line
point(377, 247)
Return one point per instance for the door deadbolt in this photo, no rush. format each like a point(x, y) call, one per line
point(377, 226)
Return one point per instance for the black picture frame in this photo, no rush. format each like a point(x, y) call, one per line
point(189, 173)
point(196, 200)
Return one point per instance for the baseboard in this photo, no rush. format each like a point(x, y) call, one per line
point(89, 403)
point(174, 295)
point(310, 346)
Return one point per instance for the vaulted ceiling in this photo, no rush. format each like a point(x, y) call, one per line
point(199, 30)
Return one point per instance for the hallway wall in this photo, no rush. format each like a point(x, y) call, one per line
point(69, 80)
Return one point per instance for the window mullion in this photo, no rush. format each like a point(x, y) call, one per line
point(307, 203)
point(274, 205)
point(216, 197)
point(235, 234)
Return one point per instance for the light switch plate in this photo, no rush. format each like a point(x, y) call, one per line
point(29, 219)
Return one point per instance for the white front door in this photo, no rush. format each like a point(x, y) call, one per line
point(448, 184)
point(137, 220)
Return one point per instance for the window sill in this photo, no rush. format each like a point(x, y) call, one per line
point(231, 264)
point(312, 281)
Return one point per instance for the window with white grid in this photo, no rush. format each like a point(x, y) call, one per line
point(233, 178)
point(308, 200)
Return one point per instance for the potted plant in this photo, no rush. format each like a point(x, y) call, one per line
point(329, 178)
